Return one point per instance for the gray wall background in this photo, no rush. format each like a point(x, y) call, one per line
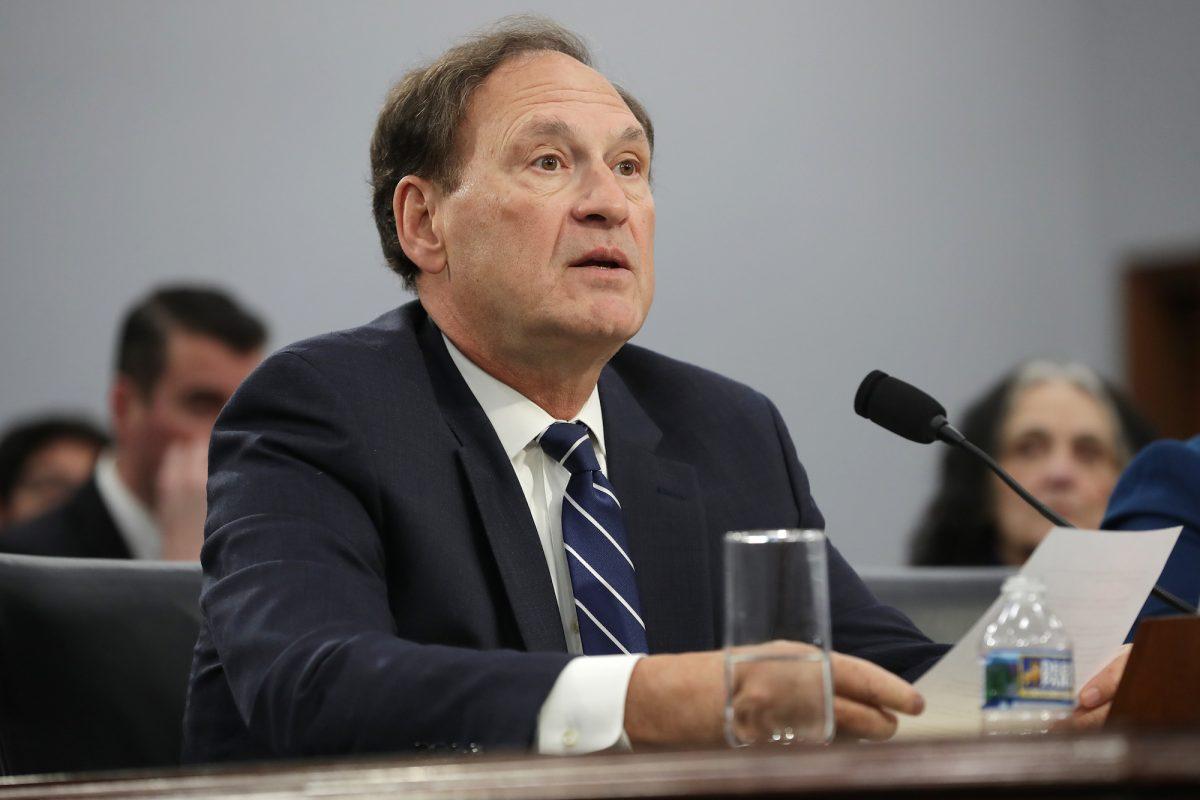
point(937, 189)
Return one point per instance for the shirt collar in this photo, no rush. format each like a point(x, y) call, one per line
point(133, 520)
point(517, 419)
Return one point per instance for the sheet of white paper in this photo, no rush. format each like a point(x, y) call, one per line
point(1096, 582)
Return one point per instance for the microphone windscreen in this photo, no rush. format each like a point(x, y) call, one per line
point(900, 407)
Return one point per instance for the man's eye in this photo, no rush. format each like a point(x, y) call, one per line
point(203, 404)
point(628, 168)
point(549, 163)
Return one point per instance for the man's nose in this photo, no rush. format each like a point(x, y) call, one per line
point(602, 200)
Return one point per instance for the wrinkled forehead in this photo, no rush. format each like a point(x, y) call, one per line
point(531, 87)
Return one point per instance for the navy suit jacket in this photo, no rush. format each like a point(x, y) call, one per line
point(1161, 489)
point(374, 581)
point(82, 527)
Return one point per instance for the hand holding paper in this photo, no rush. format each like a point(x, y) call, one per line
point(1096, 582)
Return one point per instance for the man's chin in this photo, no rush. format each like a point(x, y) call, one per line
point(595, 332)
point(611, 325)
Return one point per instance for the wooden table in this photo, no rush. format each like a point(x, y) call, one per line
point(1103, 765)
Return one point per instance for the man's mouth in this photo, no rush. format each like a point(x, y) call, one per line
point(603, 258)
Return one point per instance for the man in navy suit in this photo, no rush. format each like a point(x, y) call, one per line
point(1161, 489)
point(390, 560)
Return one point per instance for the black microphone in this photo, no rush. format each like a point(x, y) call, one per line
point(906, 411)
point(901, 408)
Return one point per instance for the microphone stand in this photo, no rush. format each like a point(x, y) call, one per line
point(951, 435)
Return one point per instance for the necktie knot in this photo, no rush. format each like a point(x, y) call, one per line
point(570, 444)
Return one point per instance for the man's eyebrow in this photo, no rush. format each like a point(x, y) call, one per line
point(549, 127)
point(557, 128)
point(633, 133)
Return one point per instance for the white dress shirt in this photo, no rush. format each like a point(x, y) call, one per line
point(133, 520)
point(585, 711)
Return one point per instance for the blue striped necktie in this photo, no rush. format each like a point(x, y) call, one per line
point(606, 598)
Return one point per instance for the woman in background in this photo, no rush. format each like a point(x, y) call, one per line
point(1063, 432)
point(42, 462)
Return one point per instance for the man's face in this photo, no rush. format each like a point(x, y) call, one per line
point(549, 235)
point(199, 375)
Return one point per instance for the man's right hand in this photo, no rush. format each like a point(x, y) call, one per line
point(680, 699)
point(182, 503)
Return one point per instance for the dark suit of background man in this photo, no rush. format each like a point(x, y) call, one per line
point(383, 567)
point(181, 352)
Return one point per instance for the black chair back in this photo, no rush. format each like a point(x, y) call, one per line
point(94, 661)
point(944, 602)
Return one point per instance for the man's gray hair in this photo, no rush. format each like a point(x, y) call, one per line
point(417, 130)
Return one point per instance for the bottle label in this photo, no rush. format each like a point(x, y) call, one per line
point(1011, 677)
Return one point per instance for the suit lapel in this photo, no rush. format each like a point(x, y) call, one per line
point(503, 511)
point(93, 527)
point(665, 520)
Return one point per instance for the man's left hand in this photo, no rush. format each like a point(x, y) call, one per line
point(1096, 696)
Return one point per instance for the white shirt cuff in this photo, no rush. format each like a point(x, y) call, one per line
point(585, 711)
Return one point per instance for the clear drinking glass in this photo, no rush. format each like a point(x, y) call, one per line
point(778, 682)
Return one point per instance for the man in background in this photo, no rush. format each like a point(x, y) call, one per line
point(181, 352)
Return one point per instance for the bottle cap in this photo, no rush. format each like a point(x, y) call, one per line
point(1022, 584)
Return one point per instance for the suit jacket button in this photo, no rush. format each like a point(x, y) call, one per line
point(570, 737)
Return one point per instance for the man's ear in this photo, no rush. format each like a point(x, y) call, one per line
point(414, 205)
point(124, 402)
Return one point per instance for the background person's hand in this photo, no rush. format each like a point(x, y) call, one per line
point(680, 699)
point(182, 503)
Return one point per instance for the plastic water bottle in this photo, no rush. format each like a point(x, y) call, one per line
point(1028, 667)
